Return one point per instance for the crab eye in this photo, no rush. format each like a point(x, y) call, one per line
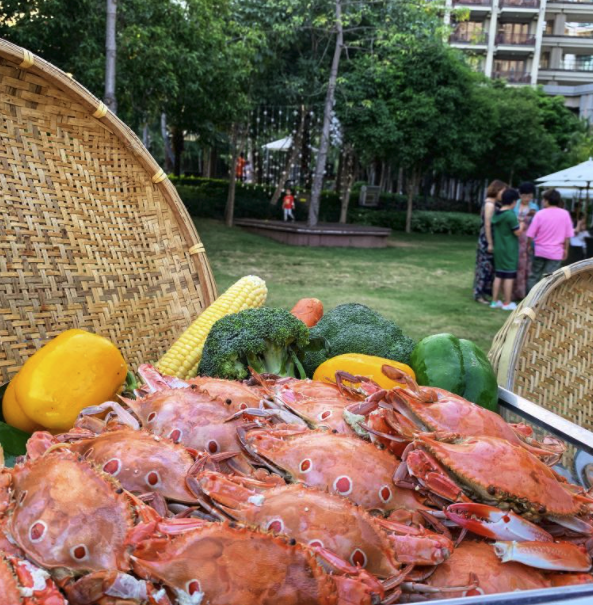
point(276, 525)
point(153, 479)
point(79, 552)
point(212, 446)
point(112, 467)
point(343, 485)
point(358, 558)
point(306, 465)
point(175, 435)
point(193, 587)
point(37, 531)
point(385, 494)
point(151, 417)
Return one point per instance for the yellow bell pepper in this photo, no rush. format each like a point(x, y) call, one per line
point(75, 370)
point(13, 413)
point(361, 365)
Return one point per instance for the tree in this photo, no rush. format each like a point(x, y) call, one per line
point(415, 102)
point(110, 56)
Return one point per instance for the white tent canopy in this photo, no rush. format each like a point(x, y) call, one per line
point(283, 145)
point(280, 145)
point(575, 177)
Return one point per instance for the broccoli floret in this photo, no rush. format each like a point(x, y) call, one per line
point(268, 340)
point(354, 328)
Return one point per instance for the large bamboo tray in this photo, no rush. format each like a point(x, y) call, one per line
point(544, 352)
point(92, 233)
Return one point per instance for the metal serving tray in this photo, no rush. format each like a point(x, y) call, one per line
point(580, 451)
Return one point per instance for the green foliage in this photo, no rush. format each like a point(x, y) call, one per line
point(268, 340)
point(354, 328)
point(206, 198)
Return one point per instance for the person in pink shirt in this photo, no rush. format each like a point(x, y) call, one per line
point(550, 231)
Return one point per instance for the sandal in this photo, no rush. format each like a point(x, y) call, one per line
point(482, 301)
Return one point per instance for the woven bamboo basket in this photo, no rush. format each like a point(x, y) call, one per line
point(544, 351)
point(92, 233)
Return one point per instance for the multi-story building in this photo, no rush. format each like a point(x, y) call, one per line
point(548, 42)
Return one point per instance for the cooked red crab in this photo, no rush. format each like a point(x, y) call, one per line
point(315, 517)
point(400, 413)
point(141, 461)
point(22, 583)
point(473, 570)
point(219, 564)
point(340, 464)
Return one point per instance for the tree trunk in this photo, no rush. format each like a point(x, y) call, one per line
point(306, 151)
point(178, 146)
point(400, 181)
point(229, 211)
point(169, 158)
point(110, 52)
point(329, 104)
point(412, 181)
point(347, 181)
point(293, 156)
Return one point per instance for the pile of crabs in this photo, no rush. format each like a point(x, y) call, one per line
point(291, 492)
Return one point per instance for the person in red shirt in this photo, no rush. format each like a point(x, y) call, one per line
point(240, 167)
point(288, 205)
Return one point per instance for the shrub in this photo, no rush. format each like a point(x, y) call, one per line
point(207, 198)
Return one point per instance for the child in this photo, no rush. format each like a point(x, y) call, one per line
point(507, 230)
point(288, 205)
point(550, 230)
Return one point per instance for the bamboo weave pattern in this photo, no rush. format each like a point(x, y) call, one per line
point(87, 239)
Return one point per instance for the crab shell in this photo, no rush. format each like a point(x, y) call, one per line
point(309, 515)
point(67, 514)
point(292, 391)
point(142, 462)
point(453, 413)
point(340, 464)
point(322, 413)
point(21, 582)
point(233, 393)
point(492, 575)
point(505, 475)
point(189, 416)
point(218, 564)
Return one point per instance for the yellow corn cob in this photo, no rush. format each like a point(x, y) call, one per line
point(183, 357)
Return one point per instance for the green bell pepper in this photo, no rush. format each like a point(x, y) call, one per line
point(458, 366)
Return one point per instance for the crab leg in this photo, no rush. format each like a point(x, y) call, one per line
point(554, 556)
point(157, 381)
point(113, 409)
point(491, 522)
point(416, 545)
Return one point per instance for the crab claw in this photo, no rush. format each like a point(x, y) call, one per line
point(155, 381)
point(554, 556)
point(491, 522)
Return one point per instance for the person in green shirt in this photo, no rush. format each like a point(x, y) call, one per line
point(507, 229)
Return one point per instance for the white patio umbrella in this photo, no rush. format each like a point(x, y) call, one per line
point(576, 177)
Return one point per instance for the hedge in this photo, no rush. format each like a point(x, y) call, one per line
point(207, 198)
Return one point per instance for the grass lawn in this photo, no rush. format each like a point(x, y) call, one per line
point(422, 282)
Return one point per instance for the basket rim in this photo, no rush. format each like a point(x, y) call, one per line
point(518, 325)
point(25, 60)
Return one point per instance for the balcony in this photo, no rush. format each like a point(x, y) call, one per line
point(474, 3)
point(504, 39)
point(570, 44)
point(569, 72)
point(575, 10)
point(532, 4)
point(513, 77)
point(468, 39)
